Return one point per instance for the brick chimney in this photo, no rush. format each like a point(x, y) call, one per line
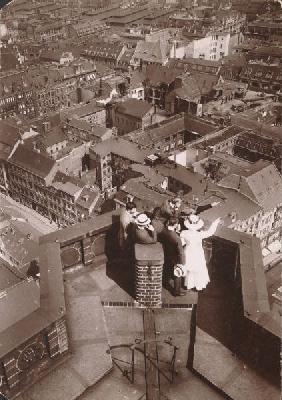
point(149, 260)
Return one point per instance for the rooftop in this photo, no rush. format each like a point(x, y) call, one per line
point(81, 111)
point(32, 161)
point(151, 52)
point(155, 133)
point(133, 107)
point(121, 147)
point(157, 74)
point(199, 126)
point(263, 186)
point(223, 135)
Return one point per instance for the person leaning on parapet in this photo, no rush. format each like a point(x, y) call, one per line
point(170, 208)
point(127, 221)
point(174, 257)
point(144, 232)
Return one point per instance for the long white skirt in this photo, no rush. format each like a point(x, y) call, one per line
point(196, 272)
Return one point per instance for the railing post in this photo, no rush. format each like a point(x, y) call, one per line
point(149, 260)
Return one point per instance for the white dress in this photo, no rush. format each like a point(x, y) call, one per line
point(196, 272)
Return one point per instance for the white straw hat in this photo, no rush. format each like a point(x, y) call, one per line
point(194, 222)
point(142, 220)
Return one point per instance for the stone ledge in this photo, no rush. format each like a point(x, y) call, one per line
point(228, 373)
point(90, 360)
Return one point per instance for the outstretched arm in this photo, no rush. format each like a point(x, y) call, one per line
point(212, 229)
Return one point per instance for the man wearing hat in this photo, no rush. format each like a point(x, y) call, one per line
point(144, 232)
point(170, 208)
point(127, 221)
point(173, 255)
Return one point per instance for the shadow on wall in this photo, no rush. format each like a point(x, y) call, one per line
point(221, 314)
point(120, 265)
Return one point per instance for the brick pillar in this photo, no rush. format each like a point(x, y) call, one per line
point(149, 259)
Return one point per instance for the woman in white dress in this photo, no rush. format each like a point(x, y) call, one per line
point(195, 269)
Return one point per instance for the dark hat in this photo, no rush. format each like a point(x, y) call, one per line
point(187, 211)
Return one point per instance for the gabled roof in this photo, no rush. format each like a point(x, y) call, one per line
point(133, 107)
point(263, 186)
point(36, 163)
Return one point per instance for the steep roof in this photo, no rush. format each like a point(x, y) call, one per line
point(32, 161)
point(264, 186)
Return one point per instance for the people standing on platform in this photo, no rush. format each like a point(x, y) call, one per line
point(174, 258)
point(127, 222)
point(170, 208)
point(144, 232)
point(195, 268)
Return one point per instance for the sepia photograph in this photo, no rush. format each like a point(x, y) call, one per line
point(140, 199)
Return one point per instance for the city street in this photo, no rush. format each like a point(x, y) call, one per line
point(26, 219)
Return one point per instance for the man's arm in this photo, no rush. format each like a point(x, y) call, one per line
point(206, 207)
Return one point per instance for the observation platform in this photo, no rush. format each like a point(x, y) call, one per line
point(232, 323)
